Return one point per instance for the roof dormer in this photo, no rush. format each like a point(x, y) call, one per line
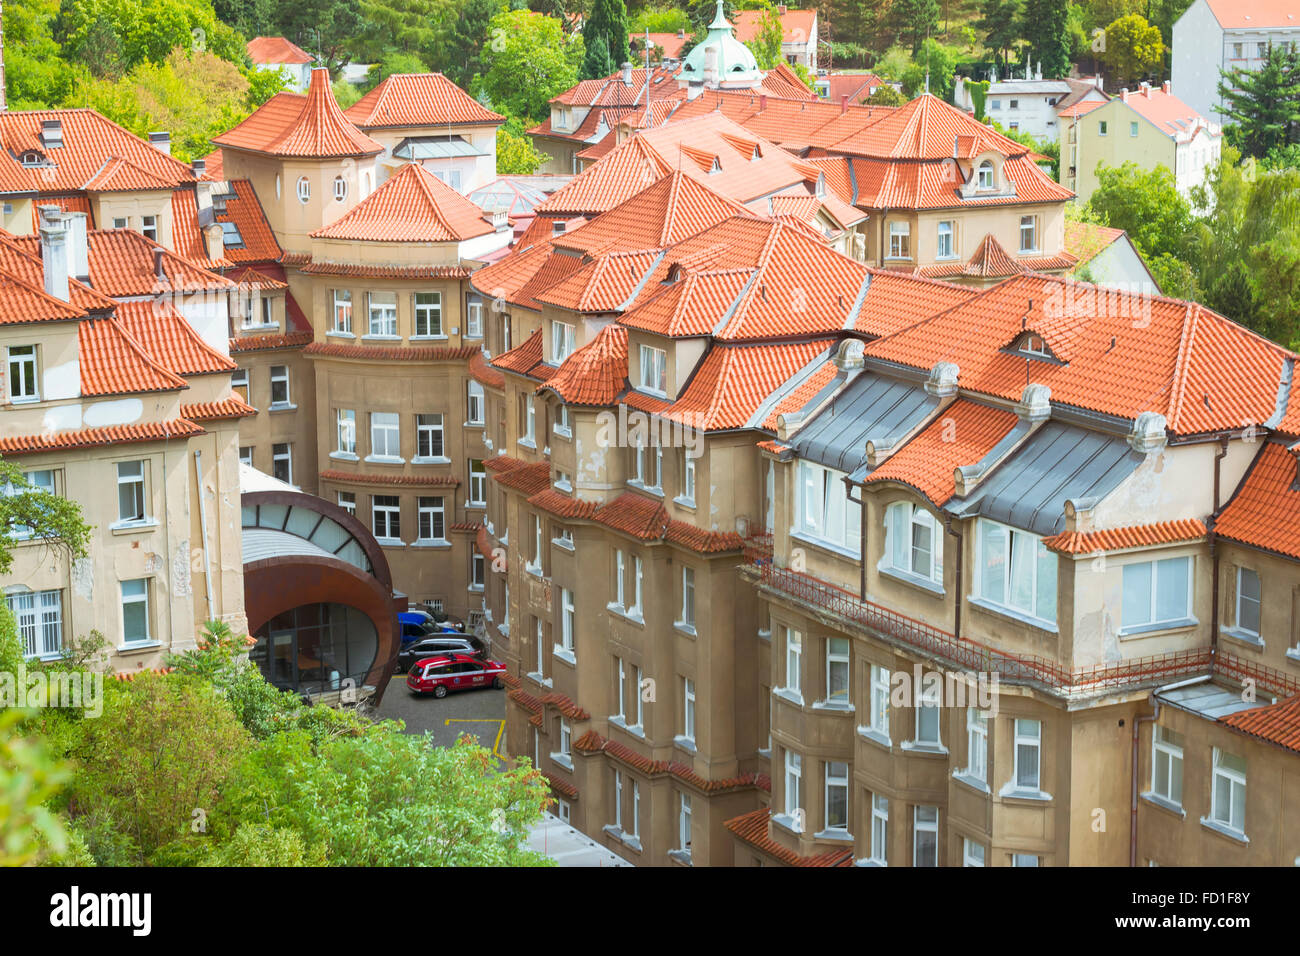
point(1032, 345)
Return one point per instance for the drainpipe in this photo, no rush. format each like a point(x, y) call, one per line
point(1211, 538)
point(1137, 722)
point(880, 253)
point(961, 558)
point(203, 528)
point(862, 550)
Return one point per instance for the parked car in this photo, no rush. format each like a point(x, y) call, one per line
point(437, 644)
point(448, 672)
point(419, 624)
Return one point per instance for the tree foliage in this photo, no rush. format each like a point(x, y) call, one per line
point(915, 21)
point(30, 514)
point(1133, 48)
point(1000, 22)
point(516, 154)
point(1262, 107)
point(29, 777)
point(604, 35)
point(1045, 28)
point(529, 59)
point(766, 47)
point(112, 36)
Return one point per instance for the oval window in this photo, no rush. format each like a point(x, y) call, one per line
point(277, 187)
point(304, 189)
point(340, 188)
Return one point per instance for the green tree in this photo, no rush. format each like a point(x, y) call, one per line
point(516, 154)
point(28, 512)
point(914, 21)
point(1163, 14)
point(113, 35)
point(766, 47)
point(29, 777)
point(604, 34)
point(660, 20)
point(36, 75)
point(885, 96)
point(1133, 48)
point(463, 49)
point(1262, 107)
point(529, 60)
point(1147, 205)
point(999, 23)
point(414, 27)
point(1049, 148)
point(326, 28)
point(1045, 25)
point(936, 62)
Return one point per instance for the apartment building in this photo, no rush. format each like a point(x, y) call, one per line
point(798, 32)
point(1149, 127)
point(117, 393)
point(1214, 36)
point(1030, 104)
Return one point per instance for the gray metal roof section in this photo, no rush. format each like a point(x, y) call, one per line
point(872, 407)
point(1058, 462)
point(1210, 700)
point(435, 147)
point(793, 382)
point(263, 543)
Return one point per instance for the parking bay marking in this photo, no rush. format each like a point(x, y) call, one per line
point(501, 728)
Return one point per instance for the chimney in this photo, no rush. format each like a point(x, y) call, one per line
point(627, 74)
point(844, 103)
point(1164, 87)
point(762, 102)
point(199, 167)
point(52, 133)
point(214, 240)
point(54, 252)
point(78, 246)
point(1146, 89)
point(681, 34)
point(1123, 94)
point(158, 270)
point(780, 9)
point(161, 141)
point(711, 66)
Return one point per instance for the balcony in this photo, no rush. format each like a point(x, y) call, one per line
point(958, 653)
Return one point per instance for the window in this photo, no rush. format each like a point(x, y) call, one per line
point(304, 189)
point(135, 611)
point(620, 688)
point(474, 404)
point(130, 491)
point(837, 671)
point(927, 717)
point(149, 227)
point(538, 638)
point(239, 384)
point(385, 435)
point(879, 712)
point(1248, 601)
point(793, 660)
point(1033, 344)
point(1028, 233)
point(477, 577)
point(23, 385)
point(793, 783)
point(1029, 735)
point(1236, 51)
point(282, 463)
point(343, 311)
point(638, 576)
point(505, 332)
point(564, 811)
point(688, 597)
point(836, 808)
point(1261, 50)
point(1013, 105)
point(428, 314)
point(1024, 859)
point(879, 828)
point(1016, 571)
point(268, 310)
point(1228, 796)
point(566, 737)
point(562, 424)
point(428, 436)
point(945, 246)
point(348, 502)
point(568, 622)
point(640, 698)
point(1101, 128)
point(972, 853)
point(688, 476)
point(914, 541)
point(474, 320)
point(386, 515)
point(477, 482)
point(346, 431)
point(119, 222)
point(39, 616)
point(995, 104)
point(684, 823)
point(825, 510)
point(618, 799)
point(985, 175)
point(925, 836)
point(900, 236)
point(383, 313)
point(1132, 129)
point(1167, 765)
point(636, 810)
point(562, 341)
point(279, 386)
point(37, 482)
point(1157, 593)
point(528, 413)
point(340, 189)
point(977, 744)
point(688, 709)
point(535, 565)
point(246, 455)
point(431, 515)
point(654, 369)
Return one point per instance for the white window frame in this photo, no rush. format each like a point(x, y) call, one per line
point(688, 477)
point(1221, 816)
point(837, 660)
point(920, 826)
point(985, 175)
point(141, 598)
point(879, 830)
point(563, 340)
point(946, 230)
point(347, 500)
point(793, 662)
point(474, 404)
point(345, 431)
point(428, 427)
point(619, 570)
point(428, 315)
point(342, 318)
point(140, 496)
point(688, 709)
point(834, 781)
point(381, 316)
point(386, 436)
point(687, 620)
point(38, 616)
point(1003, 603)
point(977, 745)
point(437, 515)
point(568, 621)
point(1153, 597)
point(1167, 752)
point(477, 483)
point(793, 785)
point(878, 717)
point(1031, 224)
point(28, 367)
point(900, 239)
point(1027, 755)
point(972, 854)
point(618, 800)
point(905, 519)
point(683, 822)
point(928, 707)
point(826, 514)
point(303, 189)
point(286, 456)
point(474, 320)
point(392, 517)
point(1257, 601)
point(654, 369)
point(280, 376)
point(638, 586)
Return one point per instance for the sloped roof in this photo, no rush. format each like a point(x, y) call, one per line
point(734, 380)
point(307, 127)
point(1134, 536)
point(272, 50)
point(93, 437)
point(122, 264)
point(991, 261)
point(1086, 240)
point(596, 373)
point(1254, 14)
point(670, 43)
point(1165, 112)
point(412, 206)
point(122, 175)
point(1277, 723)
point(796, 25)
point(1265, 509)
point(169, 339)
point(24, 302)
point(927, 128)
point(418, 99)
point(113, 363)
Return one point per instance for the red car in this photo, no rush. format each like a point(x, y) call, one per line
point(437, 675)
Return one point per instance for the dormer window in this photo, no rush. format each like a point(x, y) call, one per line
point(33, 158)
point(985, 174)
point(1034, 345)
point(1031, 345)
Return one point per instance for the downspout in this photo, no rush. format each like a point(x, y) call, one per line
point(862, 549)
point(203, 528)
point(880, 252)
point(961, 559)
point(1211, 539)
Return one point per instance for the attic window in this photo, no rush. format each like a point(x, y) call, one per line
point(986, 175)
point(231, 236)
point(32, 158)
point(557, 227)
point(1034, 345)
point(738, 68)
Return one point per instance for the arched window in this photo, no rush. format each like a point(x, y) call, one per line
point(986, 174)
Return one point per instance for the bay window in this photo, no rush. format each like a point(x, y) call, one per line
point(913, 541)
point(825, 512)
point(1015, 571)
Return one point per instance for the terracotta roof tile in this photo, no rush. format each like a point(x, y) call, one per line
point(566, 790)
point(412, 206)
point(733, 381)
point(752, 828)
point(418, 99)
point(596, 373)
point(1265, 509)
point(358, 478)
point(122, 264)
point(409, 353)
point(528, 479)
point(310, 126)
point(1278, 723)
point(170, 339)
point(227, 408)
point(796, 25)
point(503, 463)
point(27, 303)
point(113, 363)
point(121, 175)
point(324, 268)
point(78, 203)
point(93, 437)
point(245, 211)
point(559, 504)
point(269, 342)
point(593, 743)
point(565, 706)
point(1135, 536)
point(269, 50)
point(1085, 240)
point(991, 261)
point(483, 373)
point(524, 358)
point(803, 394)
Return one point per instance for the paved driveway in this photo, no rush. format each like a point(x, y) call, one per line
point(480, 713)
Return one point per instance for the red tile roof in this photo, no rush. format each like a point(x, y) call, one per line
point(245, 211)
point(1277, 723)
point(963, 434)
point(796, 25)
point(528, 479)
point(524, 358)
point(1126, 356)
point(856, 86)
point(1086, 240)
point(670, 43)
point(362, 271)
point(121, 175)
point(309, 127)
point(1254, 14)
point(166, 335)
point(596, 373)
point(734, 380)
point(797, 124)
point(1165, 112)
point(228, 408)
point(270, 342)
point(1265, 509)
point(418, 99)
point(24, 302)
point(1118, 539)
point(991, 261)
point(122, 264)
point(78, 203)
point(113, 363)
point(405, 353)
point(360, 478)
point(412, 206)
point(483, 373)
point(92, 437)
point(592, 742)
point(784, 82)
point(800, 396)
point(271, 50)
point(752, 828)
point(927, 128)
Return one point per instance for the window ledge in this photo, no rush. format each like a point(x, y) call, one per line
point(260, 327)
point(478, 589)
point(1145, 629)
point(1012, 614)
point(340, 335)
point(1012, 792)
point(683, 502)
point(428, 338)
point(923, 749)
point(535, 570)
point(765, 753)
point(431, 543)
point(344, 456)
point(910, 578)
point(790, 696)
point(1225, 830)
point(130, 527)
point(527, 443)
point(876, 737)
point(385, 460)
point(566, 487)
point(786, 822)
point(841, 707)
point(479, 506)
point(1293, 653)
point(564, 760)
point(560, 653)
point(561, 432)
point(680, 856)
point(544, 681)
point(975, 783)
point(282, 407)
point(1245, 637)
point(631, 842)
point(1164, 804)
point(765, 634)
point(478, 425)
point(684, 628)
point(390, 542)
point(375, 337)
point(434, 460)
point(562, 543)
point(685, 743)
point(837, 836)
point(869, 861)
point(135, 646)
point(636, 730)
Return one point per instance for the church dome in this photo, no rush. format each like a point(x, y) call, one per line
point(735, 64)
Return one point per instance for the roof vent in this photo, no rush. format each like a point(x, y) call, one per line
point(942, 382)
point(1035, 403)
point(161, 141)
point(199, 167)
point(52, 133)
point(1149, 433)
